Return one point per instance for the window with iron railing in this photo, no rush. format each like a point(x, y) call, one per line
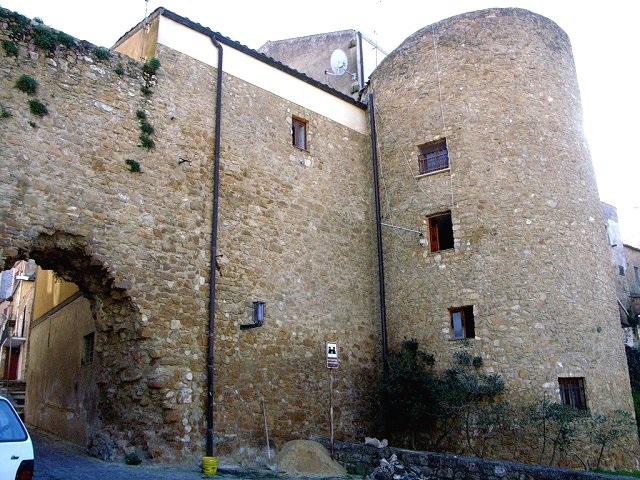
point(572, 392)
point(433, 157)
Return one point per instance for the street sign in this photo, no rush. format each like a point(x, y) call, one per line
point(332, 354)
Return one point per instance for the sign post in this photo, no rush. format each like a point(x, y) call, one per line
point(331, 352)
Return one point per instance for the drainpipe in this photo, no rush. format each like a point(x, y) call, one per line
point(360, 61)
point(376, 190)
point(214, 252)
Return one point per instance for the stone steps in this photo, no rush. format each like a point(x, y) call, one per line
point(16, 394)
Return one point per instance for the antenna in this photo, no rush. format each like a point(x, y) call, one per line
point(339, 63)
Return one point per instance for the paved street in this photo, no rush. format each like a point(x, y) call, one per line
point(59, 460)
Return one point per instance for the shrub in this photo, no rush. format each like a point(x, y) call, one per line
point(119, 70)
point(65, 39)
point(102, 53)
point(134, 166)
point(146, 91)
point(132, 459)
point(44, 37)
point(146, 141)
point(141, 114)
point(418, 399)
point(47, 39)
point(38, 108)
point(27, 84)
point(152, 65)
point(4, 113)
point(10, 48)
point(145, 127)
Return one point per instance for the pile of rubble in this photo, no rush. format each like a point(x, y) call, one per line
point(392, 469)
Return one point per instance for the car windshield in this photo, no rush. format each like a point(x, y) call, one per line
point(11, 429)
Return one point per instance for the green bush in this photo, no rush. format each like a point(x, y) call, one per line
point(152, 65)
point(141, 114)
point(10, 48)
point(44, 37)
point(27, 84)
point(65, 39)
point(146, 141)
point(38, 108)
point(101, 53)
point(47, 39)
point(4, 113)
point(417, 398)
point(119, 70)
point(132, 459)
point(146, 91)
point(134, 166)
point(145, 127)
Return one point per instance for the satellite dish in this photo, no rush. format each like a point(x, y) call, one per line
point(339, 62)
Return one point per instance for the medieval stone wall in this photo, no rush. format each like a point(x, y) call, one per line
point(295, 231)
point(530, 252)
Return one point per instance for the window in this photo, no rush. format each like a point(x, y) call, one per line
point(572, 392)
point(433, 157)
point(88, 342)
point(299, 133)
point(462, 322)
point(636, 272)
point(621, 270)
point(440, 232)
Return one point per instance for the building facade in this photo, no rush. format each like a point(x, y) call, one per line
point(493, 230)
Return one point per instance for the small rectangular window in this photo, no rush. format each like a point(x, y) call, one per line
point(621, 270)
point(636, 272)
point(440, 232)
point(572, 392)
point(433, 157)
point(462, 322)
point(299, 133)
point(88, 342)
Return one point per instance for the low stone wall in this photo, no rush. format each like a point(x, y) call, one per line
point(360, 459)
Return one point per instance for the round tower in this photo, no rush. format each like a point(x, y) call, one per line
point(481, 147)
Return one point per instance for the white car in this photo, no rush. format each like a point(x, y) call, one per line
point(16, 449)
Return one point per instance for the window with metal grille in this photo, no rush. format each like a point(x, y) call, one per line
point(299, 132)
point(572, 392)
point(433, 157)
point(88, 343)
point(440, 232)
point(462, 322)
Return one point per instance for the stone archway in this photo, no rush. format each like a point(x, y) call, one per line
point(120, 410)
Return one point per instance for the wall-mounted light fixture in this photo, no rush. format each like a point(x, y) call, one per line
point(258, 316)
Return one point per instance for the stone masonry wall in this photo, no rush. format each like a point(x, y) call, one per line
point(530, 251)
point(295, 231)
point(362, 459)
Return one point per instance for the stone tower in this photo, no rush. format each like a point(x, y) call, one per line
point(481, 148)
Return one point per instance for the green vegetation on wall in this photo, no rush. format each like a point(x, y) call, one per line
point(463, 409)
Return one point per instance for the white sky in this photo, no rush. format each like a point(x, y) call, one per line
point(603, 36)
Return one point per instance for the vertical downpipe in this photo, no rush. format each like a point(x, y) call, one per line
point(214, 252)
point(376, 190)
point(360, 61)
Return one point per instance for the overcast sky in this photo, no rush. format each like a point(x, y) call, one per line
point(603, 36)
